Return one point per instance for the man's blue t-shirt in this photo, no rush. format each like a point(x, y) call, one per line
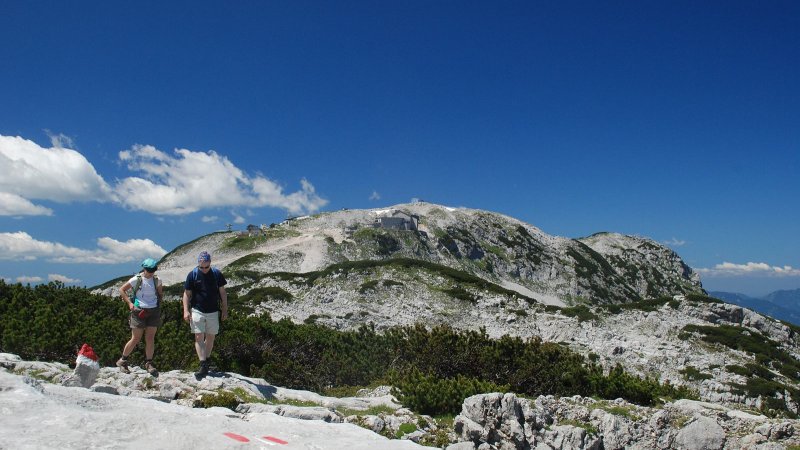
point(205, 289)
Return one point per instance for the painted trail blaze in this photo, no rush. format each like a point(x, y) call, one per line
point(236, 437)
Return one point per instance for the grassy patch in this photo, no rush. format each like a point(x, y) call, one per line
point(242, 242)
point(247, 260)
point(372, 411)
point(405, 429)
point(225, 399)
point(622, 411)
point(590, 429)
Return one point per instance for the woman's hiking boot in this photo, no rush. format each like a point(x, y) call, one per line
point(151, 369)
point(122, 363)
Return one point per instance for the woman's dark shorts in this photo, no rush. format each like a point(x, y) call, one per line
point(145, 317)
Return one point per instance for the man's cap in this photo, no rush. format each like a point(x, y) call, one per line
point(204, 257)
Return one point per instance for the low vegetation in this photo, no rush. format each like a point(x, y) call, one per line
point(434, 369)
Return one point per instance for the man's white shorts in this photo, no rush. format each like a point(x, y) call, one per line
point(207, 323)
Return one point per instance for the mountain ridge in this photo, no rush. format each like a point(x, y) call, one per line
point(602, 268)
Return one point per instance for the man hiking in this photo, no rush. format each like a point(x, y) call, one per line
point(205, 303)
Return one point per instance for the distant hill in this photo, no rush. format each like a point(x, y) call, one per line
point(782, 305)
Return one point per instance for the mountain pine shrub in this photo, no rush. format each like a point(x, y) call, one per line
point(50, 322)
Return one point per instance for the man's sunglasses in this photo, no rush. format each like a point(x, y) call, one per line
point(149, 270)
point(204, 267)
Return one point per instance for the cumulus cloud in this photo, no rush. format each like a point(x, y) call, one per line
point(24, 279)
point(30, 172)
point(14, 205)
point(188, 181)
point(727, 269)
point(172, 184)
point(675, 242)
point(22, 246)
point(208, 219)
point(375, 196)
point(62, 278)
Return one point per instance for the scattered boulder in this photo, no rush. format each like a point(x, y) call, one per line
point(703, 433)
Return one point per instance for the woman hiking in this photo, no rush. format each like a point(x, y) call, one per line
point(144, 302)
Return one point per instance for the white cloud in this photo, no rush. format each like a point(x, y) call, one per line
point(28, 171)
point(24, 279)
point(181, 183)
point(62, 278)
point(60, 140)
point(727, 269)
point(22, 246)
point(208, 219)
point(675, 242)
point(14, 205)
point(237, 219)
point(190, 181)
point(375, 196)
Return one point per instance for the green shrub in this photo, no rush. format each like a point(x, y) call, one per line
point(50, 322)
point(691, 373)
point(702, 298)
point(431, 395)
point(765, 350)
point(461, 294)
point(266, 293)
point(582, 312)
point(738, 370)
point(174, 290)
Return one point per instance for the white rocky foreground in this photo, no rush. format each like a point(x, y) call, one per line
point(123, 411)
point(139, 411)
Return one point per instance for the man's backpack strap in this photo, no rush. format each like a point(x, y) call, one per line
point(214, 270)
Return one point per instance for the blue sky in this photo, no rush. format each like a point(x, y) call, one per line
point(128, 129)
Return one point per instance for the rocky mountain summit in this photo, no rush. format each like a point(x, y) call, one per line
point(616, 299)
point(227, 410)
point(603, 268)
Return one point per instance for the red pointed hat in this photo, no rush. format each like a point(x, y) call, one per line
point(88, 352)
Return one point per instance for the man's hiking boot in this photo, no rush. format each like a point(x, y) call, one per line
point(151, 369)
point(123, 365)
point(203, 371)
